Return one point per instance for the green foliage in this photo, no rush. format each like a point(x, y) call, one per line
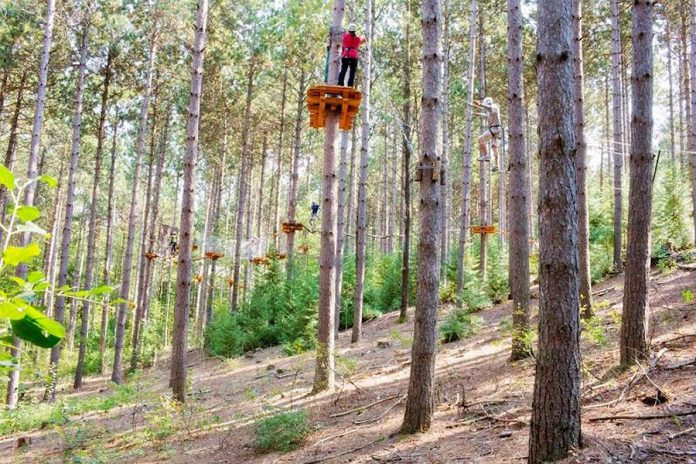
point(594, 328)
point(284, 431)
point(687, 296)
point(279, 312)
point(458, 325)
point(498, 288)
point(670, 223)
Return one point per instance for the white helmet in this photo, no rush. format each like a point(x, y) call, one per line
point(488, 101)
point(351, 27)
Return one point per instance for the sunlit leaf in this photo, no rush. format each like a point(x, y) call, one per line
point(30, 227)
point(27, 213)
point(103, 290)
point(35, 276)
point(48, 180)
point(38, 329)
point(18, 280)
point(9, 310)
point(6, 177)
point(15, 255)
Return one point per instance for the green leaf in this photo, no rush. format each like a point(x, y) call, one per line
point(18, 280)
point(38, 329)
point(77, 293)
point(48, 180)
point(6, 178)
point(15, 255)
point(118, 301)
point(27, 213)
point(35, 276)
point(31, 228)
point(103, 290)
point(41, 286)
point(9, 310)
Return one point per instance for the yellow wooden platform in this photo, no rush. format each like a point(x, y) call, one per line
point(322, 99)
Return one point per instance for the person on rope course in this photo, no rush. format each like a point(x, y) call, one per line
point(315, 213)
point(493, 133)
point(349, 56)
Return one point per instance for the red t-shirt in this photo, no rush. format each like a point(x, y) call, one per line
point(351, 43)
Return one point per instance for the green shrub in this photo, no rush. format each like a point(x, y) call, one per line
point(458, 325)
point(282, 432)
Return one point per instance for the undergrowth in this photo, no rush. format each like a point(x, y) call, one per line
point(284, 431)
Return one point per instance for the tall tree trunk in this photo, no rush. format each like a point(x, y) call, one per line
point(259, 206)
point(406, 168)
point(77, 283)
point(12, 145)
point(32, 168)
point(686, 75)
point(294, 175)
point(117, 374)
point(92, 234)
point(555, 424)
point(636, 304)
point(241, 200)
point(279, 163)
point(351, 191)
point(618, 148)
point(150, 232)
point(484, 166)
point(340, 225)
point(108, 248)
point(692, 126)
point(519, 189)
point(466, 154)
point(420, 400)
point(70, 198)
point(324, 368)
point(361, 219)
point(672, 136)
point(188, 202)
point(444, 242)
point(581, 160)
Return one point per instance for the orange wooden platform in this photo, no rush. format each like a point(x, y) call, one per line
point(324, 98)
point(288, 227)
point(484, 229)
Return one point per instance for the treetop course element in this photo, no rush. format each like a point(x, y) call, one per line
point(323, 98)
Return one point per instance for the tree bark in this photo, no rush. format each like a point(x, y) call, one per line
point(241, 199)
point(484, 166)
point(519, 189)
point(406, 169)
point(294, 175)
point(70, 198)
point(555, 424)
point(324, 368)
point(672, 136)
point(581, 157)
point(444, 241)
point(420, 400)
point(117, 374)
point(92, 233)
point(341, 225)
point(279, 163)
point(692, 112)
point(188, 202)
point(686, 75)
point(108, 248)
point(361, 220)
point(636, 304)
point(466, 155)
point(618, 134)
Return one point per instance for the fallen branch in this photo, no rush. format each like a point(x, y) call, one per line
point(669, 452)
point(684, 364)
point(501, 419)
point(361, 408)
point(686, 267)
point(638, 376)
point(604, 291)
point(375, 419)
point(343, 453)
point(646, 417)
point(331, 437)
point(683, 432)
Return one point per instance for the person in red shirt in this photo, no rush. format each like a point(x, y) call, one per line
point(349, 57)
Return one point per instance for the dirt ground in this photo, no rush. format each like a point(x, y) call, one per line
point(482, 399)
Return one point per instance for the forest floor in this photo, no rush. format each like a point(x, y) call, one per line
point(482, 399)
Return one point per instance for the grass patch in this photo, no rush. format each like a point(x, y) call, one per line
point(284, 431)
point(34, 416)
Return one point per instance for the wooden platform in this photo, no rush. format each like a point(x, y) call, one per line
point(288, 227)
point(214, 255)
point(484, 229)
point(324, 98)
